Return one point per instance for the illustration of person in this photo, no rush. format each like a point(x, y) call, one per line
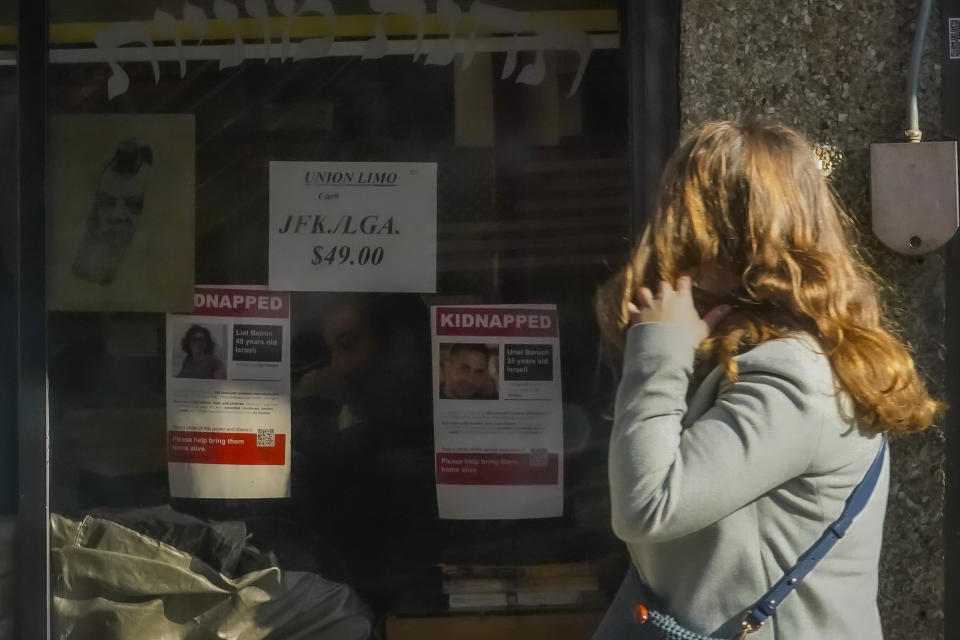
point(114, 213)
point(466, 374)
point(200, 362)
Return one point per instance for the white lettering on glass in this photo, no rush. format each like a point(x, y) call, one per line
point(441, 51)
point(109, 39)
point(377, 46)
point(229, 56)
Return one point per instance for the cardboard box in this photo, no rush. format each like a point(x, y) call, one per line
point(556, 625)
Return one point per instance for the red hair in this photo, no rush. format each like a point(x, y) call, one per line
point(750, 197)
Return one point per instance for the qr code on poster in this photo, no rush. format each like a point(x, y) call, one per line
point(265, 438)
point(954, 31)
point(538, 457)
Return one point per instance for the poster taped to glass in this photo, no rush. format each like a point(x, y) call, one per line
point(228, 395)
point(498, 418)
point(122, 213)
point(353, 226)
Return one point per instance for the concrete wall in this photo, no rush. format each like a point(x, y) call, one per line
point(836, 71)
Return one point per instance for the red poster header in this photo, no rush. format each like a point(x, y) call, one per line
point(241, 303)
point(496, 322)
point(497, 469)
point(206, 447)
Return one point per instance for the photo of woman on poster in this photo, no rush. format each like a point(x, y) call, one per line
point(200, 361)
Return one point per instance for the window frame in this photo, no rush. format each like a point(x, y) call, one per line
point(650, 33)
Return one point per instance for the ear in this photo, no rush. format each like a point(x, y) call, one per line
point(715, 316)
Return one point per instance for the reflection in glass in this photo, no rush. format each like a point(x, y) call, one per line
point(532, 204)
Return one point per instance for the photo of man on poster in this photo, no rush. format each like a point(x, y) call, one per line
point(468, 371)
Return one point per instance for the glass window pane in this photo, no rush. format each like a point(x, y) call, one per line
point(165, 119)
point(8, 299)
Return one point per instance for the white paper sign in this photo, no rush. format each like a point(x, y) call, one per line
point(498, 417)
point(228, 395)
point(353, 226)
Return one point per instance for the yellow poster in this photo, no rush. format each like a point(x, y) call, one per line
point(121, 202)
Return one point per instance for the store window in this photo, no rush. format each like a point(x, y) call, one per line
point(9, 520)
point(321, 353)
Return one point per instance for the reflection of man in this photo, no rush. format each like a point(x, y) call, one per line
point(466, 374)
point(362, 433)
point(112, 220)
point(353, 347)
point(377, 369)
point(353, 355)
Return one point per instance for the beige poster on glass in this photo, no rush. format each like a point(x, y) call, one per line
point(121, 202)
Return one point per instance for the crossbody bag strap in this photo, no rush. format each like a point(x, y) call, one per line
point(767, 605)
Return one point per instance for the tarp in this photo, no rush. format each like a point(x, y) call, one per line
point(111, 582)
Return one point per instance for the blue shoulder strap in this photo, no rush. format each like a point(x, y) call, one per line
point(766, 606)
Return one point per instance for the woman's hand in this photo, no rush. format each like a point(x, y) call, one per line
point(675, 306)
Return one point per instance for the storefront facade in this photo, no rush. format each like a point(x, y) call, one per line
point(261, 218)
point(268, 230)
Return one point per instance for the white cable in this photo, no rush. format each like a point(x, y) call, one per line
point(913, 132)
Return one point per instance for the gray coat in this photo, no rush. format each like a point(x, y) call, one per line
point(718, 493)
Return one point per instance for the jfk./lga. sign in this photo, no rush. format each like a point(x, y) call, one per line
point(353, 226)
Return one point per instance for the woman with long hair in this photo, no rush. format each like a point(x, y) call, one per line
point(759, 376)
